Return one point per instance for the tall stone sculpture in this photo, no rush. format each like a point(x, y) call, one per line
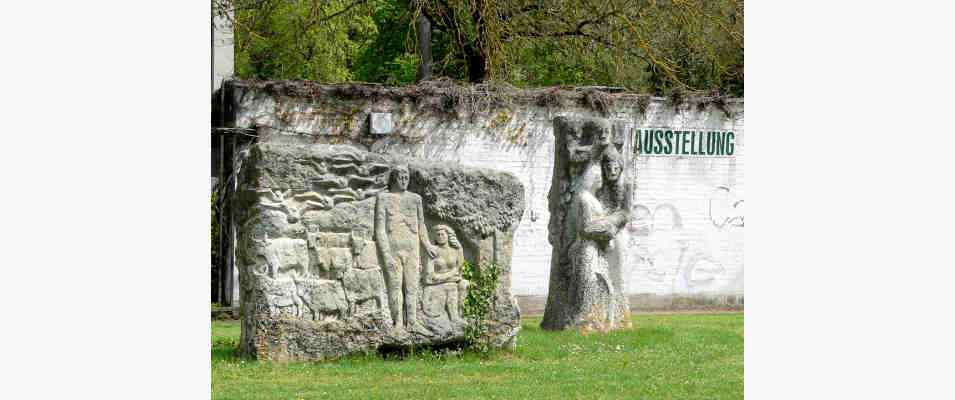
point(589, 205)
point(335, 257)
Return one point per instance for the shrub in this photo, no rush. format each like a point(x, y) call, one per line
point(479, 302)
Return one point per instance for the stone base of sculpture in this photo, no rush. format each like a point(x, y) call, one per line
point(343, 251)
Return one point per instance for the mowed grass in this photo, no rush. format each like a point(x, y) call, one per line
point(664, 356)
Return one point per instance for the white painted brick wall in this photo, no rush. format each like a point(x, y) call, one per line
point(686, 236)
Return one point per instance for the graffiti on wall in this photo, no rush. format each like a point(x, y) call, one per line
point(725, 210)
point(672, 257)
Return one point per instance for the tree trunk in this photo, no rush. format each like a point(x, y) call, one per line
point(424, 47)
point(476, 51)
point(477, 64)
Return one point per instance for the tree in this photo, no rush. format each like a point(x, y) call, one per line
point(394, 58)
point(299, 39)
point(647, 45)
point(688, 44)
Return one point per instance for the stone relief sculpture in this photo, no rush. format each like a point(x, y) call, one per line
point(399, 228)
point(444, 287)
point(335, 255)
point(283, 263)
point(323, 299)
point(590, 205)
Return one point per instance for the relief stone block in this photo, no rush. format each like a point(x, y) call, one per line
point(343, 251)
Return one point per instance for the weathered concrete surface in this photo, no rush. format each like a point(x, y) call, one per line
point(344, 251)
point(685, 235)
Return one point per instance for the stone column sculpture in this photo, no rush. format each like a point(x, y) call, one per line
point(399, 229)
point(589, 205)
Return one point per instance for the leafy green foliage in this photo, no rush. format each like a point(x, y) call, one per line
point(479, 302)
point(658, 46)
point(386, 58)
point(390, 58)
point(300, 39)
point(650, 45)
point(702, 43)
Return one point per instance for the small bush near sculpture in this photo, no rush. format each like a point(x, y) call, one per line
point(478, 302)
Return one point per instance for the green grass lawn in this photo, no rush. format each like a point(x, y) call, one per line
point(664, 356)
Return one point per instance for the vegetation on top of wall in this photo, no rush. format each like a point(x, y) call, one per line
point(455, 97)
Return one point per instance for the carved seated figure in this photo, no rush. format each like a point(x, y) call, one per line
point(444, 287)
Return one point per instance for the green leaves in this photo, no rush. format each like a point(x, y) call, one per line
point(660, 47)
point(301, 39)
point(479, 302)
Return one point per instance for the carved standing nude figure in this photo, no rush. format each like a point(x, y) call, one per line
point(399, 231)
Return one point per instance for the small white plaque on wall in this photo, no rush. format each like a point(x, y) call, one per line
point(381, 124)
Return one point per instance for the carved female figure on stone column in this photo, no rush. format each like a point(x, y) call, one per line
point(616, 197)
point(589, 280)
point(444, 286)
point(596, 279)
